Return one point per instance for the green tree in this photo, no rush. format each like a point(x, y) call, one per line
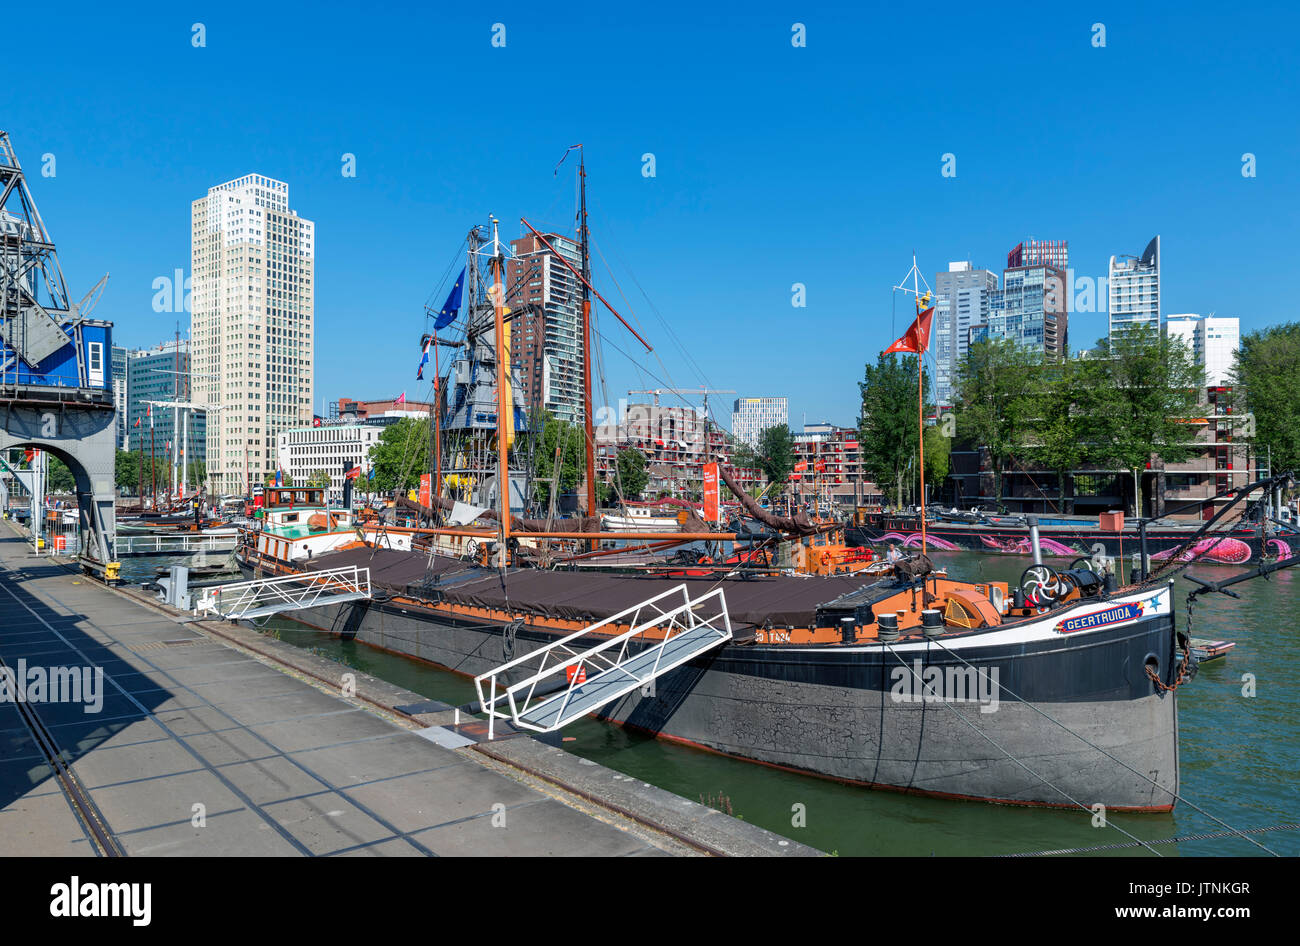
point(559, 451)
point(197, 471)
point(887, 424)
point(776, 454)
point(1140, 392)
point(126, 470)
point(1267, 366)
point(401, 455)
point(58, 478)
point(632, 475)
point(742, 454)
point(319, 478)
point(938, 450)
point(996, 392)
point(1060, 407)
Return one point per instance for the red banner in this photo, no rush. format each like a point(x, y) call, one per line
point(711, 493)
point(800, 466)
point(917, 338)
point(426, 489)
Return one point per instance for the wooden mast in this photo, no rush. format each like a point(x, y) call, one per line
point(588, 424)
point(503, 468)
point(437, 429)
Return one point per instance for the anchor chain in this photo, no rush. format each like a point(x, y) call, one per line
point(1185, 672)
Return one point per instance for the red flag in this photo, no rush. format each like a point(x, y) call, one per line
point(917, 338)
point(137, 422)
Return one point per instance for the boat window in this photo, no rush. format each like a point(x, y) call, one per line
point(290, 517)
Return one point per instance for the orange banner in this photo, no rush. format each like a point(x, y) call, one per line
point(426, 489)
point(711, 493)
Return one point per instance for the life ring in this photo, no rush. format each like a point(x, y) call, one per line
point(471, 548)
point(826, 558)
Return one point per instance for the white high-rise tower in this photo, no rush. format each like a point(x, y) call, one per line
point(251, 325)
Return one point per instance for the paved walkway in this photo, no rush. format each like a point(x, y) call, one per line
point(199, 748)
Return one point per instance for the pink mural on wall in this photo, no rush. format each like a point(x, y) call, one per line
point(913, 541)
point(1022, 547)
point(1226, 551)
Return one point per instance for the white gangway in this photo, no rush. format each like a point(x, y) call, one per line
point(264, 596)
point(664, 632)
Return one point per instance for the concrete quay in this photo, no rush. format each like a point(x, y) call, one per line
point(206, 738)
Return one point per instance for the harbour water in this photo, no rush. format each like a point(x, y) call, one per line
point(1239, 751)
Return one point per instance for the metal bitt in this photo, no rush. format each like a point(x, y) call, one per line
point(1033, 539)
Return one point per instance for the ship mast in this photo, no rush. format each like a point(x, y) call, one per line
point(503, 447)
point(586, 342)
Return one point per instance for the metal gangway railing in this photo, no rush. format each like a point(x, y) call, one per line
point(664, 632)
point(173, 543)
point(265, 596)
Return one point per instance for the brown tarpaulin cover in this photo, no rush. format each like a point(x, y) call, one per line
point(591, 596)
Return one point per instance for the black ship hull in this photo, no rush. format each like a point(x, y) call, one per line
point(1019, 714)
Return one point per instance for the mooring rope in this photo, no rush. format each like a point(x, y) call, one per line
point(1042, 778)
point(1092, 745)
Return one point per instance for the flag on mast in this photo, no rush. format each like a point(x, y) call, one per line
point(400, 400)
point(917, 338)
point(451, 308)
point(424, 358)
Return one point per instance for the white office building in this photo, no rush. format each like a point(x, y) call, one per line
point(961, 301)
point(1213, 341)
point(303, 452)
point(251, 325)
point(1134, 289)
point(750, 416)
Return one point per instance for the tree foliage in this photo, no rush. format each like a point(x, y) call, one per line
point(776, 453)
point(1138, 394)
point(995, 400)
point(632, 475)
point(887, 426)
point(58, 478)
point(559, 453)
point(1268, 369)
point(401, 455)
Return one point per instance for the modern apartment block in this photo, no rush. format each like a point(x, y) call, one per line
point(251, 324)
point(1032, 307)
point(1213, 341)
point(673, 441)
point(832, 467)
point(1054, 253)
point(162, 374)
point(962, 296)
point(546, 340)
point(120, 436)
point(1134, 289)
point(750, 416)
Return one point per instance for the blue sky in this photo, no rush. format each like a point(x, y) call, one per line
point(775, 165)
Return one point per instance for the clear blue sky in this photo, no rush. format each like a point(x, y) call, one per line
point(775, 164)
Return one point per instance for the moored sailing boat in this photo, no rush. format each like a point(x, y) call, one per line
point(1051, 693)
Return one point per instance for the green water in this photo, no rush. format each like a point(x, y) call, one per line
point(1239, 754)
